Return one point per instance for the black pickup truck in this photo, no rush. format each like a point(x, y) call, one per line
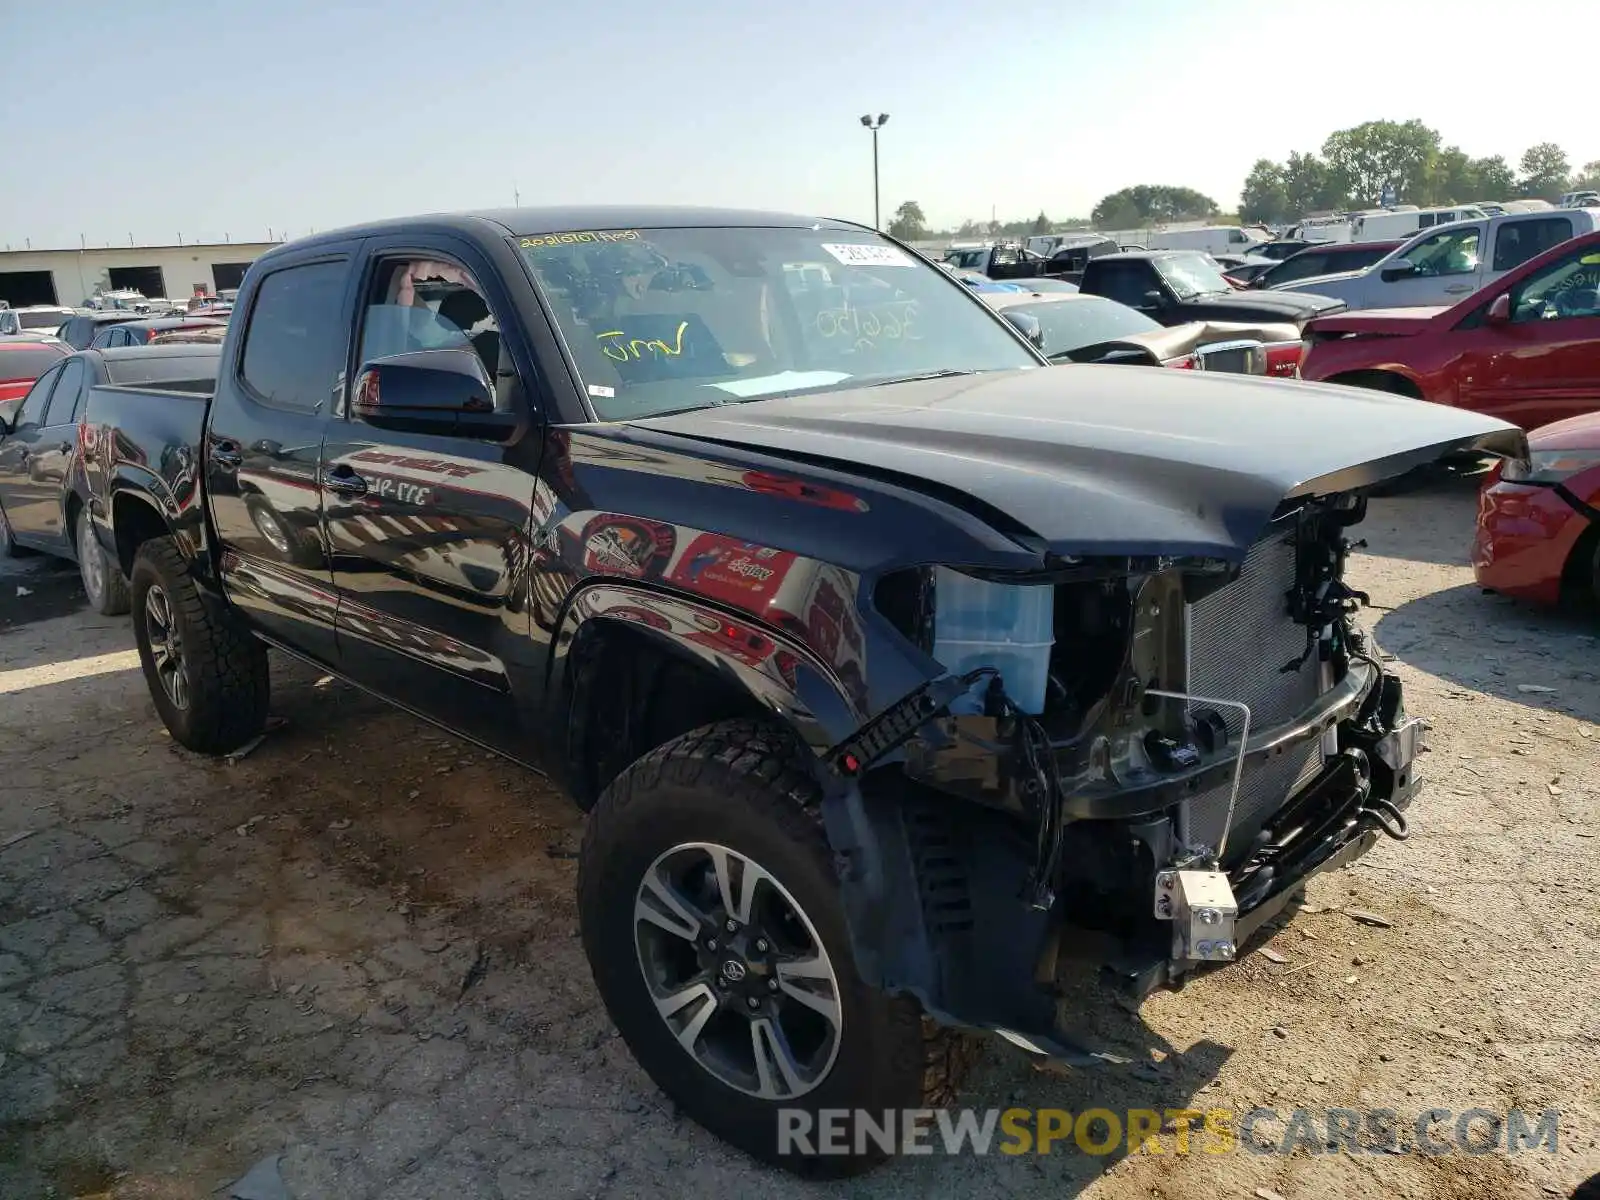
point(1178, 286)
point(907, 683)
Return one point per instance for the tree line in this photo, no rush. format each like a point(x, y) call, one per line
point(1359, 167)
point(1401, 163)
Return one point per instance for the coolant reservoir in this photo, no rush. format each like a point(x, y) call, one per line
point(1007, 626)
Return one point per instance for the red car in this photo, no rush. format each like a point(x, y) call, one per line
point(1539, 522)
point(23, 361)
point(1525, 349)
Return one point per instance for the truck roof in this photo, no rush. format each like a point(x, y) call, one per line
point(526, 222)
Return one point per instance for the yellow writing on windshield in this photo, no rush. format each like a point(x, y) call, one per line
point(614, 347)
point(585, 237)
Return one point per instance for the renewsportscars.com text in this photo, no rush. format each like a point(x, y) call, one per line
point(1101, 1131)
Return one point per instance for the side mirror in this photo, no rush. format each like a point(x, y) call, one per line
point(443, 392)
point(1401, 268)
point(1027, 325)
point(8, 415)
point(1153, 299)
point(1499, 310)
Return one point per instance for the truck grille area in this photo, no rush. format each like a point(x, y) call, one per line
point(1239, 639)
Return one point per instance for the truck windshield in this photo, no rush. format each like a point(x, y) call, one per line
point(665, 320)
point(1192, 275)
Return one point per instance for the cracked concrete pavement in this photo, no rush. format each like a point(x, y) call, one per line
point(356, 948)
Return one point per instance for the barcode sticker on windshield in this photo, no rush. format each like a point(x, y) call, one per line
point(867, 254)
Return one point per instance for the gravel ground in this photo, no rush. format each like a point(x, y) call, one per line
point(355, 948)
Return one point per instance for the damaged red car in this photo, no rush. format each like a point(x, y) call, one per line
point(1538, 533)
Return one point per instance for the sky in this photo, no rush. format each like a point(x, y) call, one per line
point(160, 118)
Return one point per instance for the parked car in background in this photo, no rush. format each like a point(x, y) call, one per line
point(119, 300)
point(1241, 270)
point(218, 310)
point(23, 360)
point(80, 328)
point(1092, 329)
point(1401, 223)
point(1439, 266)
point(1209, 239)
point(1538, 535)
point(137, 333)
point(1326, 259)
point(43, 457)
point(190, 334)
point(34, 319)
point(1281, 248)
point(1178, 286)
point(1583, 199)
point(1525, 349)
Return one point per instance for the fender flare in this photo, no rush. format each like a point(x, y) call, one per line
point(780, 674)
point(146, 487)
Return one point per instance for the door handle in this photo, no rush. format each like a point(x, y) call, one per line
point(342, 481)
point(1457, 289)
point(227, 455)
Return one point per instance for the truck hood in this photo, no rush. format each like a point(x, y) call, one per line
point(1258, 306)
point(1101, 459)
point(1388, 322)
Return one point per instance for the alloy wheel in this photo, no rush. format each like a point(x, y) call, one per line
point(166, 646)
point(737, 971)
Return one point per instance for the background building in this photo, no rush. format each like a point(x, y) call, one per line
point(71, 276)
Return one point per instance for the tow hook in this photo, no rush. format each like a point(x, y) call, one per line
point(1202, 909)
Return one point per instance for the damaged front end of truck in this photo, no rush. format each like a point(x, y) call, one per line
point(1211, 734)
point(1132, 749)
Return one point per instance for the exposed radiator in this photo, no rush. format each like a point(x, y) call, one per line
point(1240, 637)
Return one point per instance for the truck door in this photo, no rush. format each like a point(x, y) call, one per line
point(430, 533)
point(1543, 364)
point(264, 443)
point(20, 492)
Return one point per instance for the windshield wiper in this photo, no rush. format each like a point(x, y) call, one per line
point(943, 373)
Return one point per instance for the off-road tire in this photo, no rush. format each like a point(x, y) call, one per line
point(224, 667)
point(113, 599)
point(744, 785)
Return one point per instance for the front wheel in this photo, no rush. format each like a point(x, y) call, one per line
point(103, 581)
point(713, 924)
point(207, 675)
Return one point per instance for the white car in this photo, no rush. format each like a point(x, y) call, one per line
point(34, 319)
point(1441, 265)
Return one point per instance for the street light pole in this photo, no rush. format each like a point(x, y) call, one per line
point(874, 126)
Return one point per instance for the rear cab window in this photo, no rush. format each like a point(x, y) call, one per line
point(1516, 242)
point(30, 362)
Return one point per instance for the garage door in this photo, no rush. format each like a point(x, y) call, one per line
point(19, 288)
point(228, 275)
point(147, 281)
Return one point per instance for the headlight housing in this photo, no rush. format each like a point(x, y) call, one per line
point(1549, 466)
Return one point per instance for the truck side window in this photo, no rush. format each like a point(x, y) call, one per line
point(295, 336)
point(1518, 241)
point(428, 304)
point(1452, 252)
point(1125, 283)
point(38, 396)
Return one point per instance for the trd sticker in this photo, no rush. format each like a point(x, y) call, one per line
point(627, 546)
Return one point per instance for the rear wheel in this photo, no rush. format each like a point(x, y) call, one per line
point(713, 924)
point(103, 581)
point(8, 543)
point(207, 675)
